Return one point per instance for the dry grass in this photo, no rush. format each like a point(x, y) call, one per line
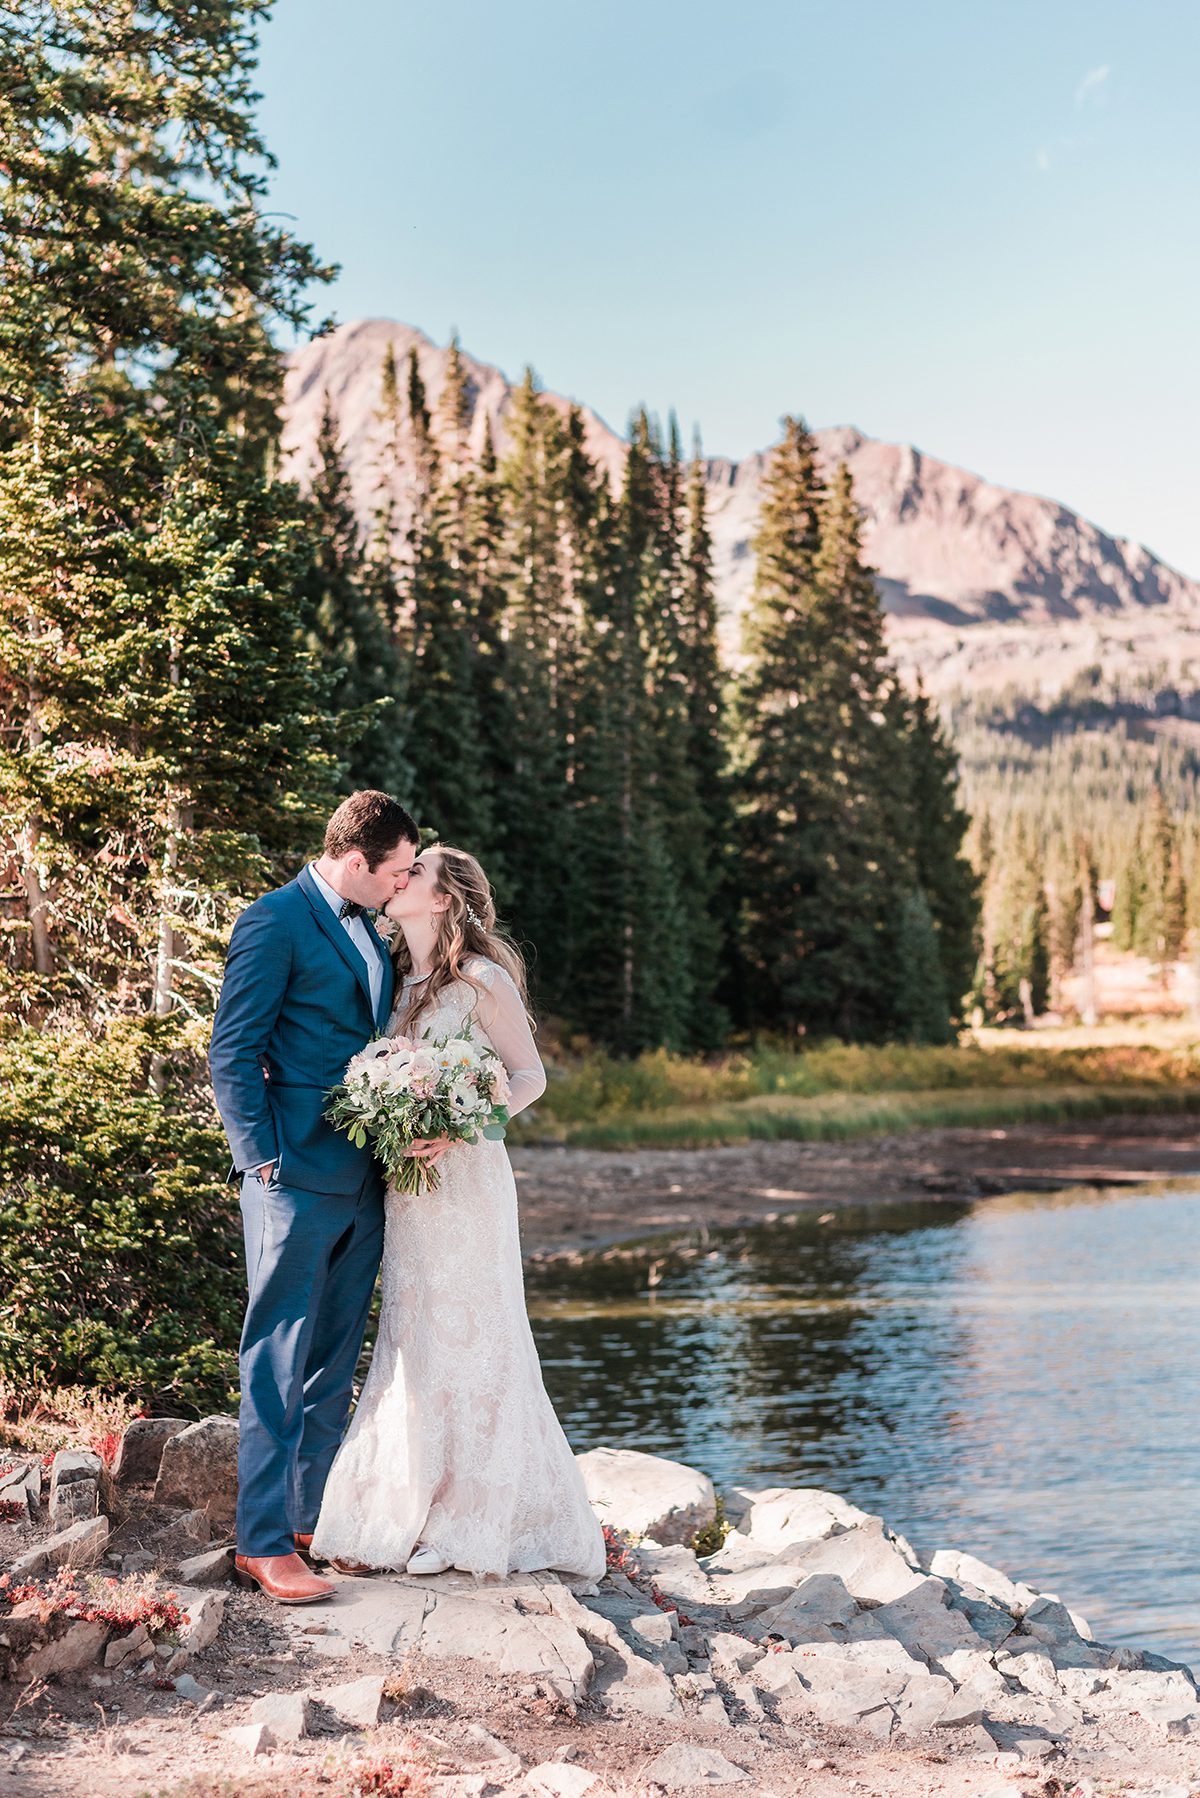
point(72, 1417)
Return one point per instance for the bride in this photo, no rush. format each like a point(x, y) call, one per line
point(454, 1457)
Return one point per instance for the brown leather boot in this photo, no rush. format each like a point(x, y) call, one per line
point(284, 1578)
point(304, 1549)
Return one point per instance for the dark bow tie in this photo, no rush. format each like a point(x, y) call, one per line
point(351, 910)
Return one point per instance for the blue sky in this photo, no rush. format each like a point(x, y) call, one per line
point(969, 227)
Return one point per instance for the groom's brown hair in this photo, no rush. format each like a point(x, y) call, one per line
point(371, 822)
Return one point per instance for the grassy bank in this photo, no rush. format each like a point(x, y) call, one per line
point(832, 1091)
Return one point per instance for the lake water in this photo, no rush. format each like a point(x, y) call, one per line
point(1017, 1377)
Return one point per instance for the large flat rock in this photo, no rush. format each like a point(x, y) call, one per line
point(645, 1495)
point(510, 1626)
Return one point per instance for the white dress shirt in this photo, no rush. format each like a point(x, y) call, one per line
point(360, 936)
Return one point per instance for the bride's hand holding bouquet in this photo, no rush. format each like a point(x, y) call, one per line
point(401, 1095)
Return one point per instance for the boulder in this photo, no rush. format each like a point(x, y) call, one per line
point(921, 1703)
point(129, 1647)
point(141, 1451)
point(192, 1690)
point(80, 1546)
point(199, 1469)
point(1030, 1665)
point(252, 1738)
point(203, 1618)
point(645, 1495)
point(776, 1674)
point(676, 1572)
point(561, 1779)
point(688, 1764)
point(652, 1634)
point(35, 1646)
point(735, 1651)
point(976, 1577)
point(359, 1702)
point(851, 1697)
point(821, 1598)
point(180, 1538)
point(287, 1715)
point(212, 1568)
point(870, 1562)
point(74, 1486)
point(507, 1637)
point(881, 1656)
point(622, 1680)
point(783, 1515)
point(22, 1485)
point(1050, 1622)
point(923, 1622)
point(962, 1709)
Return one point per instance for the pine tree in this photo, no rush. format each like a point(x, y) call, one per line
point(921, 1007)
point(487, 607)
point(631, 940)
point(348, 631)
point(708, 758)
point(821, 858)
point(938, 825)
point(780, 784)
point(138, 289)
point(1162, 910)
point(443, 739)
point(1019, 928)
point(1130, 897)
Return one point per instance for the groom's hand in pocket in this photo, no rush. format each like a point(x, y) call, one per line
point(429, 1148)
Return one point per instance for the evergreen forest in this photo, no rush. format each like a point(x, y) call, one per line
point(198, 660)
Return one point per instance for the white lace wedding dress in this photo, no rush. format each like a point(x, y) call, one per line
point(454, 1443)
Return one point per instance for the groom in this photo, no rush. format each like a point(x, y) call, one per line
point(307, 983)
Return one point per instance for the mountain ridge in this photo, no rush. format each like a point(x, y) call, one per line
point(982, 585)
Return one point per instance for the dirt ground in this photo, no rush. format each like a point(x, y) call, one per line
point(130, 1739)
point(576, 1200)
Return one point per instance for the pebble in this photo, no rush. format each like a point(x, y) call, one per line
point(191, 1689)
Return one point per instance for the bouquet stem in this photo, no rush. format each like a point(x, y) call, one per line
point(414, 1175)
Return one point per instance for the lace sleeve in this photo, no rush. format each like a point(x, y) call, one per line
point(502, 1014)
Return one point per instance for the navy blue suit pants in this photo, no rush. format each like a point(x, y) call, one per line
point(311, 1262)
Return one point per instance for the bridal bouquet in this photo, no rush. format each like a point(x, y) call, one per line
point(396, 1092)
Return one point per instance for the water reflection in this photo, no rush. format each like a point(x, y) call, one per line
point(1016, 1377)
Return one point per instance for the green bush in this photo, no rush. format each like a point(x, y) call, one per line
point(119, 1242)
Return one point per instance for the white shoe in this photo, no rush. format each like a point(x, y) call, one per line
point(426, 1560)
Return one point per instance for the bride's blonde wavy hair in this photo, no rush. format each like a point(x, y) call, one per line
point(467, 927)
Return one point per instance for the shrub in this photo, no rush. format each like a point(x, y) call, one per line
point(119, 1242)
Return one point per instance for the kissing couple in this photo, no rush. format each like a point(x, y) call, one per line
point(454, 1456)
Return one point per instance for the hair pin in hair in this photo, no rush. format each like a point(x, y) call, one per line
point(473, 916)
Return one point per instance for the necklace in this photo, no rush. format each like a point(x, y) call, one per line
point(415, 979)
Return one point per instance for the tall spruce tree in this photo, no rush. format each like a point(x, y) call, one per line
point(348, 632)
point(816, 795)
point(540, 665)
point(1162, 912)
point(938, 825)
point(443, 736)
point(138, 384)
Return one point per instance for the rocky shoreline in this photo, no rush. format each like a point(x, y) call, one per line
point(780, 1641)
point(577, 1201)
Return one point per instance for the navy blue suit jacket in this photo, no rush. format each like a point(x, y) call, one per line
point(295, 1005)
